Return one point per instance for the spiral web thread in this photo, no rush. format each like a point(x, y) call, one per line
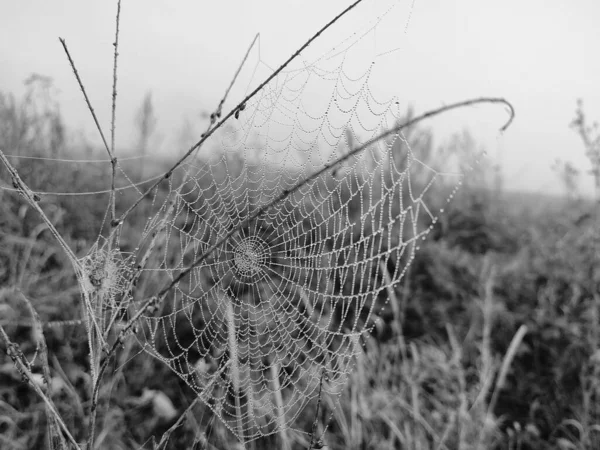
point(278, 310)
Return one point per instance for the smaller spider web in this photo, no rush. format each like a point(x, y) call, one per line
point(281, 273)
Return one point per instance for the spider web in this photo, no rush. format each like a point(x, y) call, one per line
point(278, 273)
point(281, 246)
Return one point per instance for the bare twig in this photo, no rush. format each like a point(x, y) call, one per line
point(218, 112)
point(87, 100)
point(112, 206)
point(113, 160)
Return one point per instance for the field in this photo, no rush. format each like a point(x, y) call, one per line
point(237, 303)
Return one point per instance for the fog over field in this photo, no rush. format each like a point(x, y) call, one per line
point(541, 55)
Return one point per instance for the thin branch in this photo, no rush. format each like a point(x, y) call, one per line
point(218, 112)
point(113, 160)
point(194, 147)
point(87, 100)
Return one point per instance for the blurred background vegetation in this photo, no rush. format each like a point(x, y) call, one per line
point(437, 372)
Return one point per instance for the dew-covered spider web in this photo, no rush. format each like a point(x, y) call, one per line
point(274, 250)
point(280, 251)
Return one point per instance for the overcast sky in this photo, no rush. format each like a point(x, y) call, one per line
point(539, 54)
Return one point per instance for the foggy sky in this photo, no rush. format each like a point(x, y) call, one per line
point(539, 54)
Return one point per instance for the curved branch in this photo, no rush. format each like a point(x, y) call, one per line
point(150, 304)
